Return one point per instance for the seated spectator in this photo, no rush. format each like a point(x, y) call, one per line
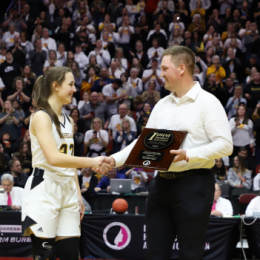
point(197, 42)
point(79, 122)
point(242, 130)
point(84, 101)
point(120, 55)
point(52, 62)
point(112, 97)
point(83, 40)
point(124, 135)
point(19, 52)
point(95, 108)
point(26, 158)
point(176, 24)
point(102, 56)
point(9, 121)
point(229, 87)
point(153, 73)
point(137, 65)
point(187, 41)
point(221, 206)
point(102, 81)
point(208, 36)
point(12, 196)
point(151, 95)
point(37, 33)
point(216, 44)
point(48, 43)
point(233, 102)
point(116, 120)
point(217, 69)
point(93, 64)
point(256, 183)
point(208, 57)
point(38, 57)
point(164, 16)
point(61, 53)
point(87, 182)
point(158, 34)
point(253, 206)
point(137, 36)
point(8, 37)
point(142, 122)
point(29, 78)
point(201, 76)
point(127, 89)
point(238, 176)
point(175, 38)
point(96, 139)
point(135, 82)
point(105, 181)
point(219, 170)
point(139, 179)
point(4, 160)
point(227, 34)
point(250, 77)
point(140, 54)
point(108, 45)
point(115, 69)
point(155, 52)
point(20, 178)
point(26, 139)
point(89, 29)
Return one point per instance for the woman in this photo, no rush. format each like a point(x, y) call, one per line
point(175, 38)
point(120, 55)
point(61, 53)
point(126, 88)
point(87, 182)
point(4, 159)
point(29, 78)
point(135, 82)
point(20, 93)
point(37, 33)
point(208, 57)
point(52, 192)
point(52, 62)
point(93, 64)
point(70, 59)
point(197, 25)
point(27, 46)
point(101, 97)
point(250, 77)
point(162, 22)
point(84, 101)
point(144, 25)
point(176, 24)
point(108, 45)
point(96, 139)
point(26, 155)
point(242, 130)
point(132, 10)
point(151, 95)
point(198, 43)
point(18, 109)
point(88, 82)
point(137, 65)
point(78, 79)
point(183, 13)
point(75, 115)
point(239, 176)
point(105, 25)
point(219, 170)
point(199, 10)
point(233, 102)
point(125, 136)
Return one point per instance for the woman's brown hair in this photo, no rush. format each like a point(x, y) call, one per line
point(245, 121)
point(242, 164)
point(16, 79)
point(43, 89)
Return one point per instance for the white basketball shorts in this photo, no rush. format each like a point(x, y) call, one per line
point(50, 206)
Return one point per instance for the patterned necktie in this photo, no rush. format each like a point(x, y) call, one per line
point(214, 206)
point(9, 200)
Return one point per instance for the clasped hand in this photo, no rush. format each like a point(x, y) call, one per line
point(103, 164)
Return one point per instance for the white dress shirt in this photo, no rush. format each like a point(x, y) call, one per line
point(16, 196)
point(149, 72)
point(103, 60)
point(201, 115)
point(253, 206)
point(224, 206)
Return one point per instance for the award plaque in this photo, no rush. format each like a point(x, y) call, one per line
point(152, 149)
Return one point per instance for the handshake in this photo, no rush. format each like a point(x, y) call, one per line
point(103, 164)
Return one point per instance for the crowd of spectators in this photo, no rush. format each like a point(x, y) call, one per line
point(114, 50)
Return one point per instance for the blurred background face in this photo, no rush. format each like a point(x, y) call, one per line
point(147, 107)
point(238, 92)
point(236, 162)
point(7, 186)
point(112, 173)
point(241, 111)
point(45, 33)
point(218, 163)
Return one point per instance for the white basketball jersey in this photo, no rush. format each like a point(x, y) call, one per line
point(64, 145)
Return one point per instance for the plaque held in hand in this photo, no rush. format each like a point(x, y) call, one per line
point(152, 149)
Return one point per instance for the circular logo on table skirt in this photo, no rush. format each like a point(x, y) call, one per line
point(117, 235)
point(146, 163)
point(158, 139)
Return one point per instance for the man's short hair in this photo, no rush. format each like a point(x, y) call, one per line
point(7, 177)
point(181, 55)
point(11, 162)
point(242, 149)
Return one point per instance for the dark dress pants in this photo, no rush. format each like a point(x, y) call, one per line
point(179, 207)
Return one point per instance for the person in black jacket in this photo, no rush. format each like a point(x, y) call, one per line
point(137, 36)
point(140, 54)
point(87, 182)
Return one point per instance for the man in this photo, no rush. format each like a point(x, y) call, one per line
point(28, 19)
point(47, 42)
point(220, 205)
point(253, 206)
point(140, 54)
point(102, 81)
point(250, 64)
point(19, 52)
point(137, 36)
point(9, 70)
point(155, 52)
point(19, 177)
point(114, 71)
point(159, 36)
point(100, 110)
point(165, 12)
point(180, 200)
point(12, 196)
point(102, 56)
point(111, 96)
point(153, 73)
point(104, 183)
point(139, 179)
point(252, 41)
point(80, 58)
point(116, 120)
point(38, 57)
point(15, 18)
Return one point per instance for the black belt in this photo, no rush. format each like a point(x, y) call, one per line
point(175, 175)
point(38, 172)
